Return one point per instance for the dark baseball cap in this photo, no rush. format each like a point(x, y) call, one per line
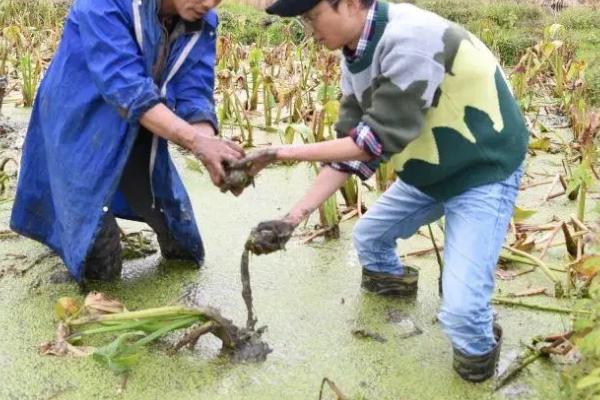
point(291, 8)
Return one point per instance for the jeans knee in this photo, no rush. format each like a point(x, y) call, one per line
point(360, 235)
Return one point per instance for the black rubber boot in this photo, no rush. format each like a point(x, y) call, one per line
point(385, 284)
point(171, 250)
point(478, 368)
point(104, 262)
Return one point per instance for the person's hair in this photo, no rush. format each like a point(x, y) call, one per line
point(364, 3)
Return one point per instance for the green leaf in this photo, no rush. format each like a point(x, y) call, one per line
point(332, 112)
point(521, 214)
point(119, 355)
point(287, 136)
point(580, 176)
point(307, 134)
point(326, 92)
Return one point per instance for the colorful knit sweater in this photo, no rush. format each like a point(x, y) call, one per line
point(437, 101)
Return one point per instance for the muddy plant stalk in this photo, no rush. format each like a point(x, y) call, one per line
point(331, 384)
point(558, 289)
point(532, 353)
point(350, 193)
point(247, 290)
point(521, 362)
point(438, 257)
point(267, 102)
point(569, 241)
point(3, 71)
point(512, 302)
point(244, 122)
point(192, 338)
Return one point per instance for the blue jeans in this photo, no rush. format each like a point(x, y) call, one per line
point(475, 228)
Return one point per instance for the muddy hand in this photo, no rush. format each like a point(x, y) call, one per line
point(270, 236)
point(214, 152)
point(256, 161)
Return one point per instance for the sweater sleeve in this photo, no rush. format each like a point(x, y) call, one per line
point(402, 94)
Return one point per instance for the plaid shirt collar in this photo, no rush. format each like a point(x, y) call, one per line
point(365, 37)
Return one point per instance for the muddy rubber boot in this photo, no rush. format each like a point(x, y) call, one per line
point(104, 262)
point(385, 284)
point(478, 368)
point(171, 250)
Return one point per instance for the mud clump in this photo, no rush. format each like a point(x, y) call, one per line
point(249, 347)
point(269, 236)
point(236, 180)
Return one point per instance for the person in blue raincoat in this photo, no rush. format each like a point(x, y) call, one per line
point(128, 76)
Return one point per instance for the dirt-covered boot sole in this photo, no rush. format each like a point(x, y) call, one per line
point(384, 284)
point(478, 368)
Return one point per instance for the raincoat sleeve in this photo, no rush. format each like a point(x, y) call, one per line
point(114, 58)
point(195, 91)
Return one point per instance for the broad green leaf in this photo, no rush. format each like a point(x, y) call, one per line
point(119, 355)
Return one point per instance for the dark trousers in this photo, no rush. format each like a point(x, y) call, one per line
point(104, 259)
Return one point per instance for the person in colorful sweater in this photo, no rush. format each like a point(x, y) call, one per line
point(426, 95)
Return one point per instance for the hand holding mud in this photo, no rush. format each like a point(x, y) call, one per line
point(240, 174)
point(214, 152)
point(270, 236)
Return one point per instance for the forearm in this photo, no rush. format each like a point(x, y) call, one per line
point(332, 150)
point(326, 184)
point(166, 124)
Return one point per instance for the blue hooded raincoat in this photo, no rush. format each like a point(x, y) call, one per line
point(85, 121)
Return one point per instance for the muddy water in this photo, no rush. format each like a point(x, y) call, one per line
point(308, 296)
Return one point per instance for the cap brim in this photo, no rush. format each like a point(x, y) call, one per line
point(284, 9)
